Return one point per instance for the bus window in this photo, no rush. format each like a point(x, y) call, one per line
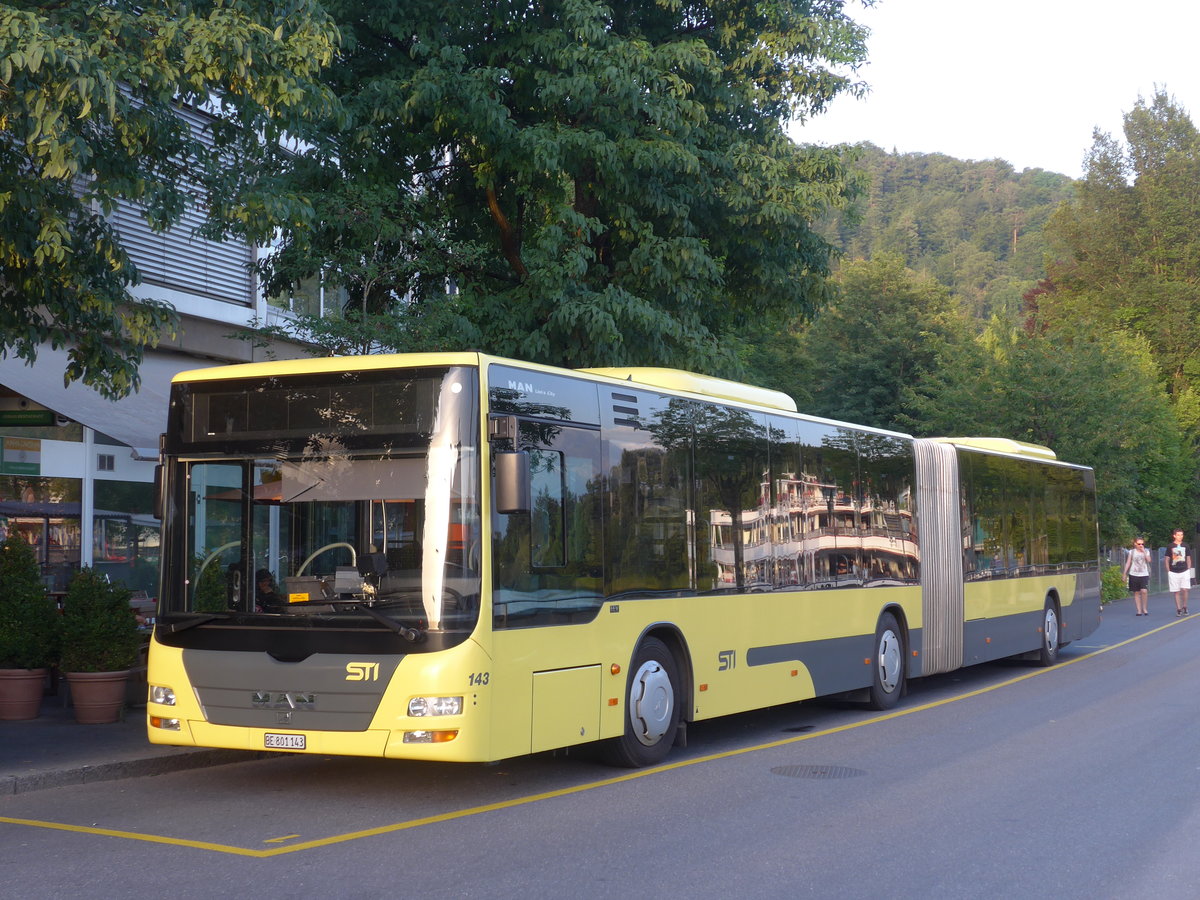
point(889, 545)
point(546, 526)
point(732, 499)
point(649, 532)
point(547, 560)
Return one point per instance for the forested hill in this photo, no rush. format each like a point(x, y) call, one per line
point(927, 331)
point(974, 226)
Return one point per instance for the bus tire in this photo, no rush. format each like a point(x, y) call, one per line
point(652, 709)
point(887, 682)
point(1048, 651)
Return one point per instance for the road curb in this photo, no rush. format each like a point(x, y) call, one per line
point(134, 768)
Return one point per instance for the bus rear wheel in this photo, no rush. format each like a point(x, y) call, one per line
point(652, 709)
point(887, 685)
point(1048, 651)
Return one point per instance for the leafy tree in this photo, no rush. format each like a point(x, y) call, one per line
point(1127, 251)
point(1092, 397)
point(576, 182)
point(886, 331)
point(772, 355)
point(89, 95)
point(406, 326)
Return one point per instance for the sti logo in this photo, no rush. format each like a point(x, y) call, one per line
point(361, 671)
point(726, 660)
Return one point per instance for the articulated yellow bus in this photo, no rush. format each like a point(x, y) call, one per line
point(459, 557)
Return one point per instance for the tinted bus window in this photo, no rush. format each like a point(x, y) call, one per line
point(791, 500)
point(548, 561)
point(832, 548)
point(890, 554)
point(732, 499)
point(648, 469)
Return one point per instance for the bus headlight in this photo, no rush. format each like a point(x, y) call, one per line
point(162, 695)
point(435, 706)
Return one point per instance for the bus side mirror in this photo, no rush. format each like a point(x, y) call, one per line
point(512, 482)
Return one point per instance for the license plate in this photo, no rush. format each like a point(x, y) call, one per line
point(284, 741)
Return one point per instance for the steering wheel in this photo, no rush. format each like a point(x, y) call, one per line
point(316, 553)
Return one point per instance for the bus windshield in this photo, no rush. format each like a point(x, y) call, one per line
point(368, 520)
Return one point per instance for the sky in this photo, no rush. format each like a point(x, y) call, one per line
point(1026, 81)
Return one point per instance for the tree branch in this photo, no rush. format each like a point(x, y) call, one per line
point(508, 239)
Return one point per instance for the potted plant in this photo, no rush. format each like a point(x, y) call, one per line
point(100, 644)
point(29, 623)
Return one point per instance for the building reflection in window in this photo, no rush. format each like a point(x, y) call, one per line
point(706, 497)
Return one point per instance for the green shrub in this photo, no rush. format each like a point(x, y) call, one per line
point(29, 620)
point(1112, 584)
point(99, 626)
point(212, 592)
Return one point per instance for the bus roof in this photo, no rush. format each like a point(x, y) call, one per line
point(1002, 445)
point(313, 364)
point(704, 385)
point(668, 379)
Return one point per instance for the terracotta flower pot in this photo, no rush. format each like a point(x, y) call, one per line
point(98, 697)
point(21, 693)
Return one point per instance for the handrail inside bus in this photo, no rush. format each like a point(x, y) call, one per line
point(319, 551)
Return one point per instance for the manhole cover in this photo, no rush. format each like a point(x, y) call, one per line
point(817, 771)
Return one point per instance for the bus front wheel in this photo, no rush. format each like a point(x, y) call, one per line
point(887, 685)
point(652, 709)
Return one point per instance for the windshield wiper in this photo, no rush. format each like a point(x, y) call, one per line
point(203, 618)
point(412, 635)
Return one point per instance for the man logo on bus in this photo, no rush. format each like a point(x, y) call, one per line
point(360, 671)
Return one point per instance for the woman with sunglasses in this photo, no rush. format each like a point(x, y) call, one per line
point(1137, 568)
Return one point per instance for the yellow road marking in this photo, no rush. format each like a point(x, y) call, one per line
point(561, 792)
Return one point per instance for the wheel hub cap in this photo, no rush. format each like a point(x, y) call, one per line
point(651, 703)
point(889, 661)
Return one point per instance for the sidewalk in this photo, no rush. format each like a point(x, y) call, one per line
point(54, 750)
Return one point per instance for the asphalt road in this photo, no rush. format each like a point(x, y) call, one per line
point(1002, 780)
